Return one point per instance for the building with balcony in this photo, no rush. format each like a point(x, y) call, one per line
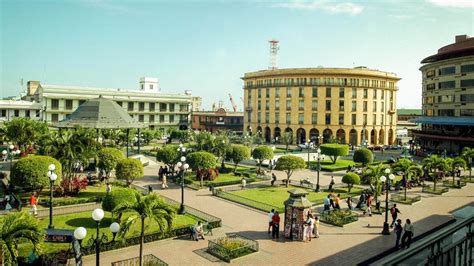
point(10, 109)
point(148, 105)
point(345, 105)
point(448, 98)
point(219, 119)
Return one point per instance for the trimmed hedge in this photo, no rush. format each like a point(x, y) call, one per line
point(351, 179)
point(363, 156)
point(334, 150)
point(118, 196)
point(339, 218)
point(32, 172)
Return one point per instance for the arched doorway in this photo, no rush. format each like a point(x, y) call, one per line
point(373, 137)
point(313, 135)
point(268, 135)
point(300, 136)
point(390, 136)
point(327, 135)
point(353, 137)
point(381, 137)
point(341, 136)
point(277, 133)
point(289, 131)
point(364, 136)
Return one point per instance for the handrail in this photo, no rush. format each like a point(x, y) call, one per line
point(427, 242)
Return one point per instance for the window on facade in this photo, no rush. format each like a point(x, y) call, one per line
point(267, 105)
point(315, 92)
point(288, 118)
point(374, 107)
point(3, 113)
point(341, 119)
point(301, 105)
point(259, 105)
point(383, 107)
point(354, 93)
point(259, 93)
point(267, 93)
point(353, 119)
point(54, 104)
point(382, 121)
point(171, 118)
point(341, 92)
point(162, 107)
point(446, 71)
point(430, 86)
point(277, 117)
point(152, 118)
point(141, 106)
point(288, 92)
point(375, 94)
point(55, 117)
point(354, 106)
point(141, 118)
point(277, 92)
point(267, 117)
point(27, 113)
point(288, 105)
point(341, 105)
point(445, 98)
point(430, 73)
point(328, 92)
point(119, 103)
point(259, 117)
point(446, 112)
point(467, 98)
point(328, 105)
point(328, 119)
point(366, 93)
point(277, 104)
point(467, 68)
point(162, 118)
point(374, 119)
point(314, 105)
point(171, 107)
point(69, 104)
point(365, 106)
point(301, 118)
point(446, 85)
point(16, 113)
point(301, 92)
point(151, 107)
point(314, 118)
point(467, 83)
point(466, 112)
point(364, 119)
point(130, 106)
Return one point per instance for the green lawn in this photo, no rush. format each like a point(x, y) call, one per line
point(84, 219)
point(276, 195)
point(223, 177)
point(327, 165)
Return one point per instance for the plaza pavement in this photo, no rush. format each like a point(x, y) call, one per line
point(344, 246)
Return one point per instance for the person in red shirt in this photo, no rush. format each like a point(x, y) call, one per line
point(33, 201)
point(276, 225)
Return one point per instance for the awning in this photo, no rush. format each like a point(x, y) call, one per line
point(444, 120)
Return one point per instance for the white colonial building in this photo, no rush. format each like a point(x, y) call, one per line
point(10, 109)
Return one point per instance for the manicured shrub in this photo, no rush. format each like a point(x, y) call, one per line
point(363, 156)
point(262, 153)
point(117, 197)
point(351, 179)
point(31, 172)
point(334, 150)
point(129, 169)
point(239, 153)
point(168, 155)
point(109, 158)
point(201, 161)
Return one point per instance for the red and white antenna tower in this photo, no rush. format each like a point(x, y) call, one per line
point(273, 54)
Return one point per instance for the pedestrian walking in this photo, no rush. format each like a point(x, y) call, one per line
point(274, 179)
point(150, 189)
point(361, 202)
point(338, 202)
point(309, 227)
point(33, 201)
point(408, 234)
point(160, 173)
point(276, 225)
point(270, 216)
point(332, 198)
point(164, 182)
point(243, 182)
point(349, 202)
point(327, 203)
point(108, 188)
point(331, 184)
point(398, 232)
point(316, 226)
point(394, 211)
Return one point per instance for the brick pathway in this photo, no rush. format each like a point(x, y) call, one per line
point(345, 246)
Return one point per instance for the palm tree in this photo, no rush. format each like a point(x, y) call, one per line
point(150, 206)
point(373, 174)
point(18, 227)
point(403, 165)
point(437, 165)
point(457, 163)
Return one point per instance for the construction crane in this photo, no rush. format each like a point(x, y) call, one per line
point(234, 106)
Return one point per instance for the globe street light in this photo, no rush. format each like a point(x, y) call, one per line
point(182, 167)
point(318, 157)
point(386, 230)
point(97, 215)
point(4, 155)
point(52, 177)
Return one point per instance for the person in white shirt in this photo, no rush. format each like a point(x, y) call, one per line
point(309, 227)
point(270, 216)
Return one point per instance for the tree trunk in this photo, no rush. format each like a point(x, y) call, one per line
point(406, 184)
point(142, 238)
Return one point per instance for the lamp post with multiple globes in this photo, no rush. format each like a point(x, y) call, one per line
point(386, 181)
point(52, 177)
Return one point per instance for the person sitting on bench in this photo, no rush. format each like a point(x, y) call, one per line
point(198, 230)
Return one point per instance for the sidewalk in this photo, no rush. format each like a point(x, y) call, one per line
point(352, 243)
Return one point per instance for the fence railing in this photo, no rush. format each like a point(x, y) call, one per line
point(69, 209)
point(231, 247)
point(148, 260)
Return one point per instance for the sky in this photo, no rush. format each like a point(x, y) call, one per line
point(207, 46)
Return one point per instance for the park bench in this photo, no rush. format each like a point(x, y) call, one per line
point(306, 183)
point(206, 227)
point(283, 182)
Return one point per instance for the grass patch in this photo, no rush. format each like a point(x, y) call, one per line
point(466, 179)
point(439, 189)
point(327, 165)
point(400, 198)
point(277, 195)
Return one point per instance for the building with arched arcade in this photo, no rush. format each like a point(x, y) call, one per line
point(340, 104)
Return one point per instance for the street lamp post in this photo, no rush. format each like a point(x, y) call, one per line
point(10, 152)
point(52, 177)
point(386, 230)
point(309, 146)
point(182, 167)
point(470, 167)
point(318, 157)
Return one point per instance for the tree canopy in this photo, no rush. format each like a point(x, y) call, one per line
point(129, 169)
point(290, 163)
point(334, 150)
point(239, 153)
point(262, 153)
point(363, 156)
point(32, 172)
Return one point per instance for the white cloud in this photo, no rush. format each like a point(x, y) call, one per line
point(324, 5)
point(453, 3)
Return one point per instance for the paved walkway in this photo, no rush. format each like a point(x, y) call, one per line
point(345, 246)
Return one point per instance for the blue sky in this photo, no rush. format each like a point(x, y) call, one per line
point(206, 46)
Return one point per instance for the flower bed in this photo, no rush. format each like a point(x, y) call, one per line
point(148, 260)
point(400, 198)
point(439, 190)
point(231, 247)
point(338, 218)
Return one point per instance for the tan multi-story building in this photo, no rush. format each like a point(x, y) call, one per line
point(448, 98)
point(339, 104)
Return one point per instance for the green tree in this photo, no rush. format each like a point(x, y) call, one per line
point(129, 169)
point(150, 207)
point(404, 166)
point(262, 153)
point(458, 163)
point(363, 156)
point(373, 173)
point(24, 131)
point(32, 172)
point(183, 136)
point(334, 150)
point(287, 139)
point(109, 158)
point(18, 228)
point(168, 155)
point(221, 142)
point(116, 197)
point(437, 166)
point(467, 153)
point(289, 164)
point(239, 153)
point(199, 161)
point(351, 179)
point(204, 141)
